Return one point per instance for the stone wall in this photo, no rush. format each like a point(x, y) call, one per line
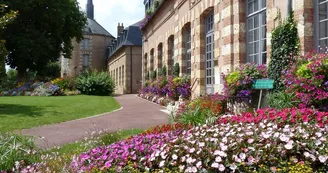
point(123, 72)
point(229, 34)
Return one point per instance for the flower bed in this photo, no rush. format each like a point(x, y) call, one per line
point(285, 116)
point(57, 87)
point(308, 79)
point(165, 90)
point(263, 147)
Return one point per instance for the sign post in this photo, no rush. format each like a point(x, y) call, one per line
point(262, 84)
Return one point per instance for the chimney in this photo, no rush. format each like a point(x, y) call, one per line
point(120, 28)
point(90, 10)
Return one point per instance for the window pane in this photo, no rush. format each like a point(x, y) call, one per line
point(323, 11)
point(250, 23)
point(256, 5)
point(256, 21)
point(264, 58)
point(256, 47)
point(263, 3)
point(323, 29)
point(263, 31)
point(263, 45)
point(323, 44)
point(250, 49)
point(256, 34)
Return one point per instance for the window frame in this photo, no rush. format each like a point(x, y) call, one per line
point(259, 12)
point(209, 33)
point(317, 38)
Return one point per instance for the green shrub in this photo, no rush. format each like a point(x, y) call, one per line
point(193, 117)
point(154, 75)
point(163, 71)
point(303, 71)
point(95, 83)
point(9, 81)
point(15, 148)
point(233, 77)
point(176, 70)
point(147, 76)
point(281, 100)
point(285, 44)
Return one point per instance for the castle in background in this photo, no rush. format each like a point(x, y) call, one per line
point(101, 51)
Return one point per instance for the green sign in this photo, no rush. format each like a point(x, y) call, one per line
point(263, 84)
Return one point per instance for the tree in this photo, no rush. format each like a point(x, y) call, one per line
point(285, 44)
point(5, 19)
point(42, 32)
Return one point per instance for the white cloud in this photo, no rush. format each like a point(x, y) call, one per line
point(109, 13)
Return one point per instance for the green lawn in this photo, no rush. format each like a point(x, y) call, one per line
point(26, 112)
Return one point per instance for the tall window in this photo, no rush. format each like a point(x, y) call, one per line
point(256, 31)
point(86, 60)
point(209, 28)
point(322, 24)
point(172, 52)
point(85, 43)
point(120, 76)
point(151, 60)
point(188, 50)
point(123, 75)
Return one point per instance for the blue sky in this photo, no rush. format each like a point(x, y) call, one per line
point(109, 13)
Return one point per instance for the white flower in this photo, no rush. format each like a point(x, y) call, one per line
point(250, 140)
point(323, 159)
point(218, 159)
point(215, 165)
point(199, 164)
point(306, 154)
point(284, 138)
point(161, 164)
point(183, 159)
point(233, 167)
point(194, 169)
point(174, 157)
point(181, 167)
point(223, 147)
point(319, 134)
point(201, 144)
point(318, 142)
point(221, 168)
point(242, 156)
point(222, 154)
point(289, 145)
point(192, 150)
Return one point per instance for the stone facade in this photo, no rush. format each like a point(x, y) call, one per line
point(124, 67)
point(96, 50)
point(229, 36)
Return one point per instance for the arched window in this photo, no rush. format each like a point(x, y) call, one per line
point(188, 49)
point(151, 60)
point(209, 50)
point(171, 54)
point(159, 57)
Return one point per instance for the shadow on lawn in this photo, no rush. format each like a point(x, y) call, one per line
point(19, 110)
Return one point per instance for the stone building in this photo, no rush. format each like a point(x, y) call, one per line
point(125, 59)
point(91, 53)
point(210, 37)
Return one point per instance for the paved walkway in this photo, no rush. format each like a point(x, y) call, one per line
point(135, 113)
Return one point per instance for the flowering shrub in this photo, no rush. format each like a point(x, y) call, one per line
point(174, 87)
point(308, 79)
point(239, 83)
point(199, 110)
point(284, 116)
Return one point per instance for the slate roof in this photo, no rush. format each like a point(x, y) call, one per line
point(93, 27)
point(131, 36)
